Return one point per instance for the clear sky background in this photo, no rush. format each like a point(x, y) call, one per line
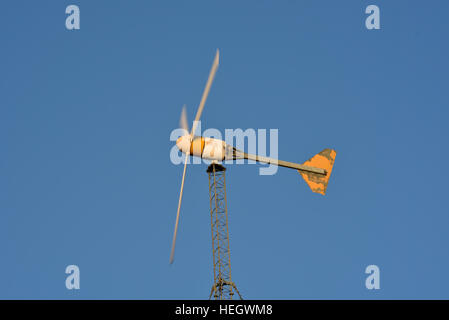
point(85, 173)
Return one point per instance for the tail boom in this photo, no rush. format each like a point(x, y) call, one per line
point(286, 164)
point(316, 171)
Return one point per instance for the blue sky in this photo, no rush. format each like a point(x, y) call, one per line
point(86, 178)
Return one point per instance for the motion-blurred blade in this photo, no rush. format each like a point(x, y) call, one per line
point(172, 254)
point(183, 120)
point(206, 92)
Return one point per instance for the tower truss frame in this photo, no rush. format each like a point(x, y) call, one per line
point(223, 287)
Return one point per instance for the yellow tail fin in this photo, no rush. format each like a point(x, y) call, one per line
point(324, 160)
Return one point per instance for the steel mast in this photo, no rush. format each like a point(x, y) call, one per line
point(223, 287)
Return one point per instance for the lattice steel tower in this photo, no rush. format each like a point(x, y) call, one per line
point(223, 287)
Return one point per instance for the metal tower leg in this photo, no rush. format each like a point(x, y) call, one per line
point(223, 287)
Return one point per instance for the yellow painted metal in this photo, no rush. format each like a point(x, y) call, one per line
point(324, 160)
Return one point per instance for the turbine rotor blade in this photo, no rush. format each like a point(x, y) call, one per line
point(206, 91)
point(172, 254)
point(183, 123)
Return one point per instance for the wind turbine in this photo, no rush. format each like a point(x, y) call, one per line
point(315, 171)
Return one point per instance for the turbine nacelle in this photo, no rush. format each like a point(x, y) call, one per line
point(204, 147)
